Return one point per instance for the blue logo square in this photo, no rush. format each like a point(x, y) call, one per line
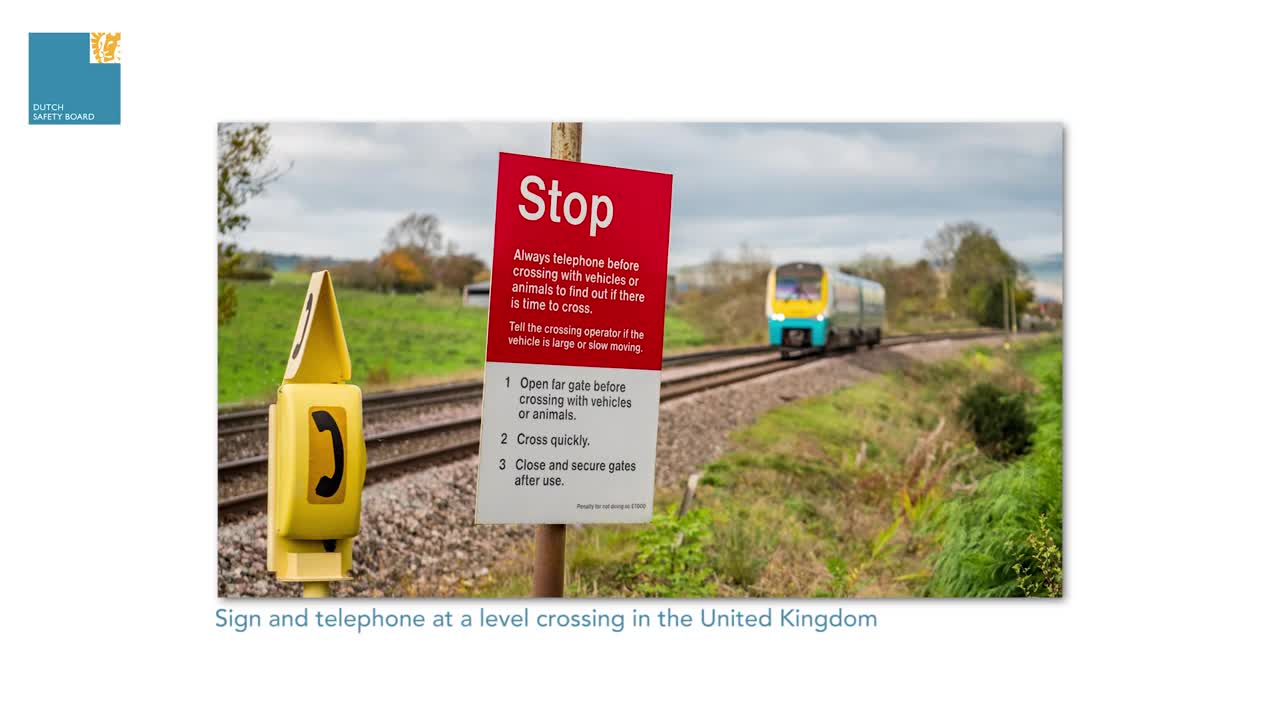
point(73, 78)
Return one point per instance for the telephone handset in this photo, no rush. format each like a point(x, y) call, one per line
point(329, 485)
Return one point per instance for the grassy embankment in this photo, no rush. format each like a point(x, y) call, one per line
point(1005, 537)
point(874, 491)
point(920, 325)
point(394, 340)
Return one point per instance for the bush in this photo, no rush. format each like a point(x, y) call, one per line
point(1041, 574)
point(997, 420)
point(227, 302)
point(670, 560)
point(250, 274)
point(730, 314)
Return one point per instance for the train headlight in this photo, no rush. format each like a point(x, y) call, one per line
point(819, 318)
point(779, 317)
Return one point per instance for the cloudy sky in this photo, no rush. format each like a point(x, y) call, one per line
point(824, 192)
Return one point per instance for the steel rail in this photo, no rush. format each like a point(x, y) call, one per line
point(254, 419)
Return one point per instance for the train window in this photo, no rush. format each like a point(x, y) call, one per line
point(791, 287)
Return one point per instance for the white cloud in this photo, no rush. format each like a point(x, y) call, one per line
point(814, 191)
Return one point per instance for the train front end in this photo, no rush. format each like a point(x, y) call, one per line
point(797, 305)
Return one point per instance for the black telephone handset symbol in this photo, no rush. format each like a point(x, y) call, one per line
point(298, 347)
point(329, 485)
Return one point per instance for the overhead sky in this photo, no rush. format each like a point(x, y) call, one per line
point(820, 192)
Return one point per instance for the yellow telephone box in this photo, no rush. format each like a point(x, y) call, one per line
point(316, 452)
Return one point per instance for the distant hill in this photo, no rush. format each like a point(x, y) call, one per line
point(1047, 272)
point(1048, 266)
point(289, 263)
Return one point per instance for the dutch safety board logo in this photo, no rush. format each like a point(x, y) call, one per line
point(73, 78)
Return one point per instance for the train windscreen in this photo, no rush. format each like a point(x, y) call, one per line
point(798, 282)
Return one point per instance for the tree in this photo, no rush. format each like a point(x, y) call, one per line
point(873, 267)
point(981, 268)
point(357, 274)
point(910, 290)
point(918, 280)
point(416, 230)
point(453, 271)
point(242, 152)
point(725, 306)
point(941, 248)
point(415, 258)
point(401, 269)
point(228, 263)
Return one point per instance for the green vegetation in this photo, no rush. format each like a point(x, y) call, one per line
point(731, 314)
point(395, 339)
point(852, 494)
point(975, 268)
point(670, 557)
point(242, 175)
point(730, 309)
point(979, 269)
point(680, 333)
point(997, 420)
point(1005, 538)
point(290, 277)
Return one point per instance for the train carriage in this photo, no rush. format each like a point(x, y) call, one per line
point(811, 305)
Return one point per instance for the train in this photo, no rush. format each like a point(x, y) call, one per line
point(810, 305)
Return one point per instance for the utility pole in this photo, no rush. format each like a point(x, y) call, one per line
point(548, 539)
point(1009, 295)
point(1013, 303)
point(1004, 304)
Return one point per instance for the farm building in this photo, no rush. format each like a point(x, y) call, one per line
point(476, 295)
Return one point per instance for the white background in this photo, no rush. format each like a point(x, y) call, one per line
point(108, 307)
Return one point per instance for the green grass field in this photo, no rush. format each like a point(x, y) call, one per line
point(290, 277)
point(393, 339)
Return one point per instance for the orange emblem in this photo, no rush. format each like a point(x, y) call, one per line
point(105, 46)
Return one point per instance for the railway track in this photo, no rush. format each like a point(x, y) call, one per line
point(394, 451)
point(250, 420)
